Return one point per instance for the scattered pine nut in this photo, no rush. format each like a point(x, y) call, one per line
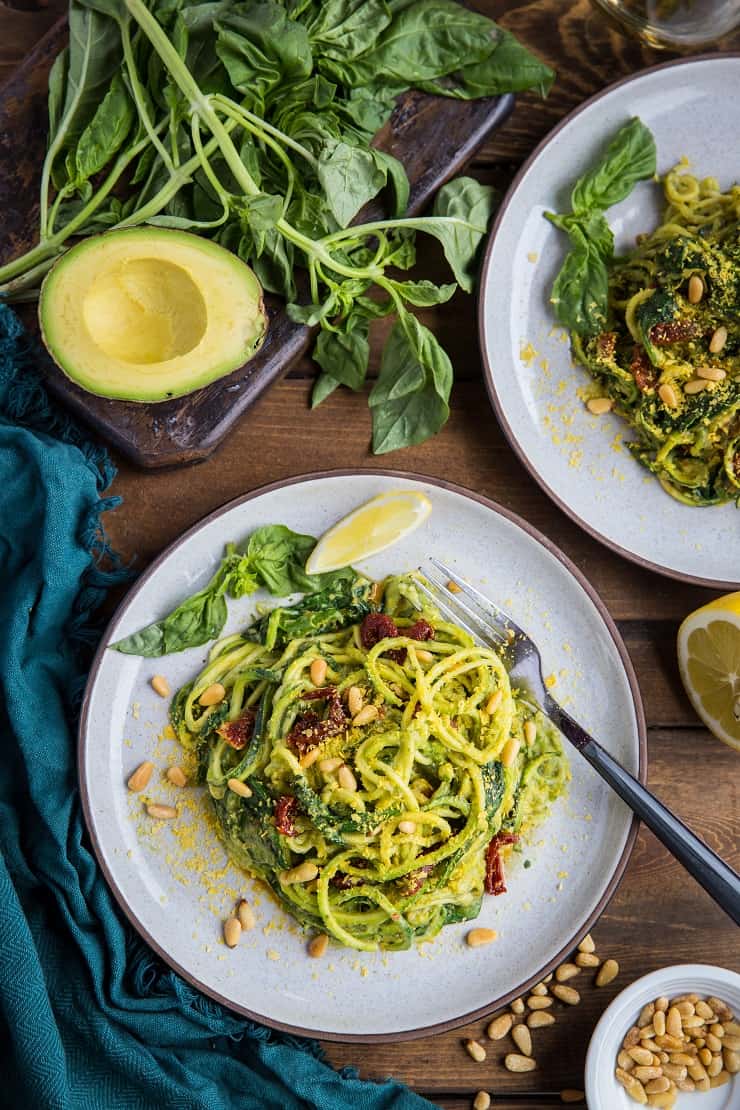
point(522, 1038)
point(482, 1101)
point(232, 931)
point(711, 373)
point(540, 1018)
point(718, 340)
point(695, 290)
point(329, 765)
point(539, 1002)
point(499, 1027)
point(517, 1006)
point(494, 702)
point(354, 700)
point(367, 714)
point(245, 914)
point(317, 671)
point(239, 787)
point(160, 685)
point(568, 995)
point(695, 385)
point(140, 777)
point(161, 812)
point(424, 656)
point(513, 1061)
point(539, 989)
point(570, 1094)
point(346, 779)
point(587, 959)
point(510, 751)
point(303, 873)
point(318, 945)
point(587, 944)
point(599, 405)
point(309, 758)
point(177, 776)
point(476, 1051)
point(667, 395)
point(566, 972)
point(608, 971)
point(530, 732)
point(212, 695)
point(476, 938)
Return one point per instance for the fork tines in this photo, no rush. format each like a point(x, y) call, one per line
point(486, 625)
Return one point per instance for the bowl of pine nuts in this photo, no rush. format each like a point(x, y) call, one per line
point(670, 1039)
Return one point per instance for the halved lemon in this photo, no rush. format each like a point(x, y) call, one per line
point(709, 661)
point(373, 527)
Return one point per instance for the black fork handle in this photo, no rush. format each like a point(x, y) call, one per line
point(717, 877)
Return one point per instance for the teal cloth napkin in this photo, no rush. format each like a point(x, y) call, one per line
point(90, 1019)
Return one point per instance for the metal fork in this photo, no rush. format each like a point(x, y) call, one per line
point(490, 625)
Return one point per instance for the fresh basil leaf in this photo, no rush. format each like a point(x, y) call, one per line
point(57, 87)
point(106, 132)
point(350, 176)
point(196, 621)
point(510, 67)
point(278, 556)
point(324, 386)
point(594, 226)
point(424, 293)
point(409, 401)
point(346, 28)
point(580, 291)
point(630, 157)
point(371, 106)
point(345, 354)
point(395, 173)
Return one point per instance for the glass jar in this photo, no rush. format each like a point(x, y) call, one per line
point(675, 24)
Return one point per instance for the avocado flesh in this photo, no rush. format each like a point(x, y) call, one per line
point(147, 314)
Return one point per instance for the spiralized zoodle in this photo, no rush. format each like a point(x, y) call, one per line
point(380, 824)
point(670, 357)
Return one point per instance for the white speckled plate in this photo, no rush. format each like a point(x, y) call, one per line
point(603, 1092)
point(579, 459)
point(173, 880)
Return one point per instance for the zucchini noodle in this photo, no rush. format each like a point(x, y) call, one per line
point(671, 362)
point(398, 816)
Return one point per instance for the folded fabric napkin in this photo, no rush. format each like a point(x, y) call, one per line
point(89, 1017)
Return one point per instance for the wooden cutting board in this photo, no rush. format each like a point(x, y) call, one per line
point(432, 136)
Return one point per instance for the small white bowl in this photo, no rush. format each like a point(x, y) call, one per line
point(603, 1092)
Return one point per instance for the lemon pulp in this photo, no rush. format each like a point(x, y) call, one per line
point(709, 661)
point(371, 528)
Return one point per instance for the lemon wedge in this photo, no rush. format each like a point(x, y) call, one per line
point(371, 528)
point(709, 661)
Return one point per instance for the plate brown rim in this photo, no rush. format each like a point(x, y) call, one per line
point(496, 1003)
point(681, 576)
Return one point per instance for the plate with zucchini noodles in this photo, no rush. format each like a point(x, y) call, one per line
point(309, 788)
point(613, 359)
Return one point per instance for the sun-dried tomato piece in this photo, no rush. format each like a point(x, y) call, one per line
point(376, 627)
point(285, 810)
point(309, 729)
point(414, 881)
point(642, 370)
point(495, 881)
point(306, 732)
point(674, 331)
point(239, 732)
point(606, 344)
point(321, 692)
point(421, 630)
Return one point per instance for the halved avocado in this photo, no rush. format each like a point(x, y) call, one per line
point(146, 314)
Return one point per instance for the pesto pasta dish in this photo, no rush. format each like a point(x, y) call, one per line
point(368, 761)
point(669, 355)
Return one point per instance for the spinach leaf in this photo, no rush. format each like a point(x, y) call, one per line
point(346, 600)
point(278, 556)
point(510, 67)
point(409, 401)
point(630, 157)
point(344, 28)
point(350, 176)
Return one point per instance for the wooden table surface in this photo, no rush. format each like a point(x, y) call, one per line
point(659, 915)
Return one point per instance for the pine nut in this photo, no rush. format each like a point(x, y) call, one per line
point(517, 1006)
point(704, 1011)
point(686, 1084)
point(587, 944)
point(697, 1071)
point(714, 1044)
point(720, 1079)
point(731, 1060)
point(631, 1085)
point(731, 1042)
point(510, 751)
point(566, 972)
point(530, 732)
point(245, 915)
point(239, 787)
point(659, 1022)
point(673, 1026)
point(640, 1056)
point(693, 1022)
point(482, 1101)
point(675, 1072)
point(494, 702)
point(514, 1062)
point(538, 1002)
point(695, 385)
point(624, 1060)
point(522, 1038)
point(698, 1041)
point(540, 1018)
point(587, 959)
point(303, 873)
point(599, 405)
point(318, 945)
point(723, 1011)
point(424, 656)
point(684, 998)
point(160, 812)
point(568, 995)
point(367, 714)
point(177, 776)
point(608, 971)
point(717, 1029)
point(682, 1058)
point(499, 1027)
point(673, 1044)
point(685, 1008)
point(646, 1014)
point(346, 779)
point(453, 587)
point(718, 340)
point(232, 931)
point(329, 765)
point(632, 1037)
point(317, 672)
point(661, 1004)
point(476, 938)
point(570, 1094)
point(696, 289)
point(212, 695)
point(160, 685)
point(713, 1064)
point(140, 777)
point(539, 989)
point(354, 700)
point(309, 758)
point(665, 1099)
point(407, 827)
point(476, 1050)
point(703, 1084)
point(646, 1073)
point(657, 1086)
